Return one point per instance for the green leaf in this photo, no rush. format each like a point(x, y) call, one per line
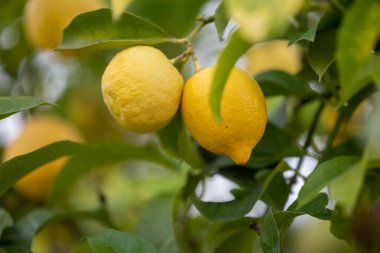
point(11, 105)
point(340, 225)
point(97, 30)
point(175, 16)
point(155, 224)
point(221, 20)
point(322, 53)
point(308, 35)
point(223, 235)
point(113, 241)
point(13, 249)
point(235, 48)
point(316, 208)
point(270, 236)
point(5, 220)
point(96, 155)
point(356, 39)
point(324, 174)
point(279, 82)
point(23, 231)
point(13, 170)
point(118, 7)
point(230, 210)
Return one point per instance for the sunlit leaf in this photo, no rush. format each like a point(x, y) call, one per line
point(97, 30)
point(227, 59)
point(323, 175)
point(113, 241)
point(279, 82)
point(262, 19)
point(356, 39)
point(11, 105)
point(270, 236)
point(322, 52)
point(221, 20)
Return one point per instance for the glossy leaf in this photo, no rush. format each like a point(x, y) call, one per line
point(230, 210)
point(353, 51)
point(103, 154)
point(221, 20)
point(323, 175)
point(322, 52)
point(235, 48)
point(113, 241)
point(5, 220)
point(281, 83)
point(270, 236)
point(308, 35)
point(11, 105)
point(97, 30)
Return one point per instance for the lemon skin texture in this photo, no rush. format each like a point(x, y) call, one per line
point(38, 132)
point(274, 55)
point(142, 89)
point(243, 112)
point(45, 20)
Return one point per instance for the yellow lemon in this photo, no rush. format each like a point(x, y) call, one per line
point(45, 20)
point(274, 55)
point(142, 89)
point(243, 112)
point(38, 132)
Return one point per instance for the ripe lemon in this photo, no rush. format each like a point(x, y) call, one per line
point(274, 55)
point(243, 112)
point(142, 89)
point(38, 132)
point(45, 20)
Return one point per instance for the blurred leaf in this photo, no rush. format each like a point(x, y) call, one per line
point(11, 105)
point(24, 230)
point(278, 82)
point(226, 61)
point(12, 170)
point(322, 52)
point(347, 194)
point(316, 208)
point(308, 35)
point(113, 241)
point(118, 7)
point(96, 30)
point(175, 16)
point(237, 234)
point(5, 220)
point(230, 210)
point(340, 225)
point(9, 11)
point(169, 136)
point(324, 174)
point(96, 155)
point(273, 146)
point(155, 224)
point(262, 19)
point(270, 236)
point(277, 192)
point(375, 67)
point(356, 39)
point(221, 20)
point(13, 249)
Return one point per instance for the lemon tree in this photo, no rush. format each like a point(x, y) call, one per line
point(189, 126)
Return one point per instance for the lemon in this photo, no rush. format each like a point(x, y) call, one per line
point(45, 20)
point(142, 89)
point(243, 112)
point(38, 132)
point(274, 55)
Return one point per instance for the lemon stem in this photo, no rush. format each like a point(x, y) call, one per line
point(202, 22)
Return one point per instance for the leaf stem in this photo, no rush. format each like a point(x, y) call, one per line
point(308, 141)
